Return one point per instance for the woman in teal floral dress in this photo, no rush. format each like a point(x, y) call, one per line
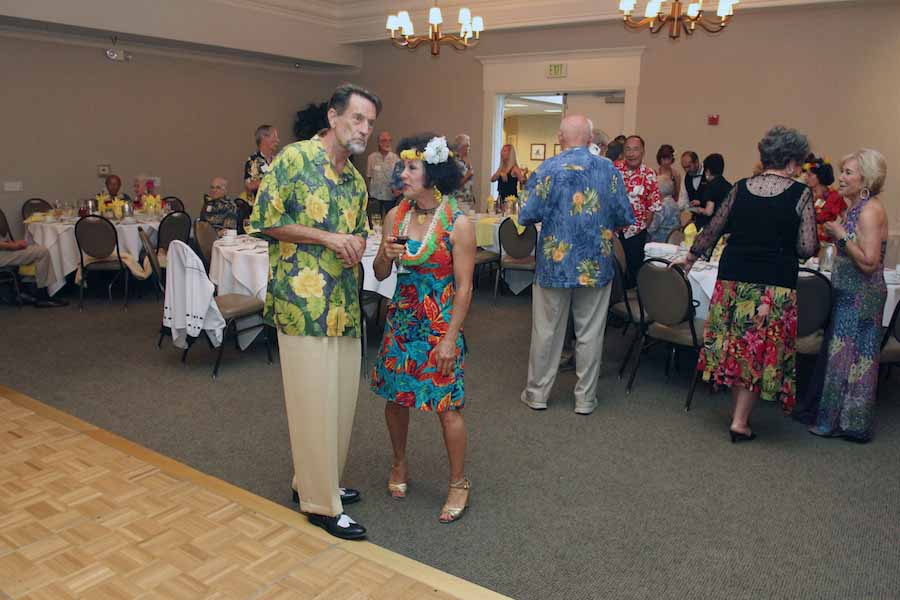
point(420, 364)
point(841, 400)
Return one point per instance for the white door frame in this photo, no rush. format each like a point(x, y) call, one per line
point(587, 71)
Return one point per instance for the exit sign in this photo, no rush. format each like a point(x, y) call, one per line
point(556, 70)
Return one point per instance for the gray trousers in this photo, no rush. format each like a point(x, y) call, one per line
point(37, 255)
point(550, 311)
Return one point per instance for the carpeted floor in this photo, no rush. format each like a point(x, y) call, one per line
point(638, 500)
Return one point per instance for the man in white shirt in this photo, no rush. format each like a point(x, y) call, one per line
point(379, 169)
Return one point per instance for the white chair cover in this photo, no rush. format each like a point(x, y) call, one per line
point(190, 307)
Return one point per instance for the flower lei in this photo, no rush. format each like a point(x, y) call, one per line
point(440, 223)
point(436, 152)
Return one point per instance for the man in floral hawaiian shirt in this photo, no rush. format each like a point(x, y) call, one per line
point(311, 206)
point(258, 163)
point(580, 200)
point(643, 192)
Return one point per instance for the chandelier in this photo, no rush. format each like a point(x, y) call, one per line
point(470, 29)
point(678, 18)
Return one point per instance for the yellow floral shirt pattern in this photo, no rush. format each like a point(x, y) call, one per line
point(310, 292)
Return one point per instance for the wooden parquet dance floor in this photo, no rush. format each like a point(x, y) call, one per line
point(87, 514)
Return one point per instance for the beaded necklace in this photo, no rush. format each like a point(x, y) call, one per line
point(440, 222)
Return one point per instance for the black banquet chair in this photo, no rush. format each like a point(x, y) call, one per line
point(174, 203)
point(97, 238)
point(668, 316)
point(33, 205)
point(516, 250)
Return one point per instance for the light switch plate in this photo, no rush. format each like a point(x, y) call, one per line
point(12, 186)
point(103, 169)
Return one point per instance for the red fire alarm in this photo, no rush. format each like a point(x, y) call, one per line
point(712, 120)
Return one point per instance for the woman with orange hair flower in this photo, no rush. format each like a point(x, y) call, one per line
point(420, 364)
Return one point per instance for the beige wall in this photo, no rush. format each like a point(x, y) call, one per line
point(67, 108)
point(831, 71)
point(532, 129)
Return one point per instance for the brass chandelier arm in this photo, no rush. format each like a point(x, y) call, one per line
point(713, 25)
point(456, 42)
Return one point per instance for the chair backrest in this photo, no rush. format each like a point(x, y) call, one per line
point(205, 234)
point(676, 236)
point(96, 236)
point(664, 292)
point(174, 203)
point(174, 226)
point(33, 205)
point(5, 231)
point(813, 302)
point(685, 217)
point(893, 328)
point(619, 252)
point(514, 244)
point(154, 260)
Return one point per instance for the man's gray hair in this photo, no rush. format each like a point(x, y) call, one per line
point(261, 132)
point(780, 146)
point(600, 137)
point(461, 140)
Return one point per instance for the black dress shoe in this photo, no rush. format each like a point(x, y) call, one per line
point(737, 436)
point(348, 496)
point(341, 526)
point(50, 303)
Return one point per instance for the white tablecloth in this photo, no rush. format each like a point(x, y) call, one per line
point(703, 284)
point(59, 239)
point(243, 268)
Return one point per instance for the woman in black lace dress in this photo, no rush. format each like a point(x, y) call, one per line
point(748, 344)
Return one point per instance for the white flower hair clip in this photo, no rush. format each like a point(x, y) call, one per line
point(435, 153)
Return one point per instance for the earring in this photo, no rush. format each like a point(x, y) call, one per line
point(865, 194)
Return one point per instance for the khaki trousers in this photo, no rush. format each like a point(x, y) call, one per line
point(550, 312)
point(321, 384)
point(34, 254)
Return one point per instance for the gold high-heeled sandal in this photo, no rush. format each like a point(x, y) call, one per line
point(398, 490)
point(455, 512)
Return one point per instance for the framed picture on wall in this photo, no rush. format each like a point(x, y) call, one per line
point(538, 151)
point(556, 149)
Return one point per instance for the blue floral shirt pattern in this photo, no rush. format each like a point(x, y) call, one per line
point(581, 200)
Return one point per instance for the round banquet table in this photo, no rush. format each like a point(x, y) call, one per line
point(59, 238)
point(243, 268)
point(704, 274)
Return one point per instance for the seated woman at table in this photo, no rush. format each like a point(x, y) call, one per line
point(750, 335)
point(667, 219)
point(841, 398)
point(420, 364)
point(829, 203)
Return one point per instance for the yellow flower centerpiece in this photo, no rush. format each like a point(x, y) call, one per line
point(151, 203)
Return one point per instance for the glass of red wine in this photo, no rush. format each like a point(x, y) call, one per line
point(401, 239)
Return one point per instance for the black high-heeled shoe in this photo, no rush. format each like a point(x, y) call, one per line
point(737, 436)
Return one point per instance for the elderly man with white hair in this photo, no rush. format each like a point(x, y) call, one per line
point(379, 168)
point(219, 210)
point(466, 196)
point(581, 201)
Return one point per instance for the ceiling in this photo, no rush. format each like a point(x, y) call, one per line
point(311, 32)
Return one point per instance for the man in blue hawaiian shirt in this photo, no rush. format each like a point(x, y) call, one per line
point(581, 200)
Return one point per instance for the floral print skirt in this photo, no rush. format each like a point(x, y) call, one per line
point(749, 340)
